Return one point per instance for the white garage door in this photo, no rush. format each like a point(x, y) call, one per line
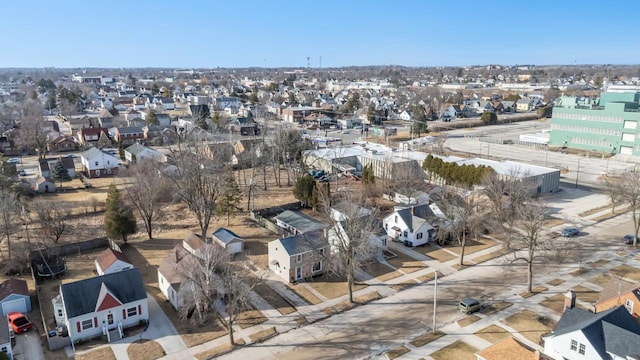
point(234, 248)
point(19, 305)
point(626, 150)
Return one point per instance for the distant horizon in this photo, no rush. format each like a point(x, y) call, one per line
point(333, 34)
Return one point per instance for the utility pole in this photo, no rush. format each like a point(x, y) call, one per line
point(577, 173)
point(435, 298)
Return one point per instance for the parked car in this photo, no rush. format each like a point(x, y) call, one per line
point(19, 323)
point(345, 131)
point(469, 306)
point(628, 239)
point(13, 161)
point(570, 232)
point(22, 173)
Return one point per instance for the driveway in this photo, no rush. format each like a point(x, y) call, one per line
point(28, 346)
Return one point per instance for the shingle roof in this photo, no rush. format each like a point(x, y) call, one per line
point(130, 130)
point(226, 236)
point(109, 256)
point(171, 267)
point(305, 242)
point(80, 297)
point(416, 217)
point(614, 331)
point(13, 286)
point(299, 221)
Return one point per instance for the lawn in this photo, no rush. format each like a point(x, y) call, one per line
point(381, 271)
point(579, 272)
point(467, 320)
point(489, 256)
point(459, 350)
point(145, 350)
point(219, 350)
point(103, 353)
point(440, 254)
point(262, 335)
point(495, 307)
point(586, 294)
point(599, 263)
point(274, 299)
point(428, 277)
point(406, 263)
point(357, 300)
point(304, 293)
point(555, 303)
point(424, 339)
point(555, 282)
point(403, 285)
point(333, 287)
point(535, 291)
point(530, 325)
point(627, 271)
point(250, 318)
point(493, 334)
point(397, 352)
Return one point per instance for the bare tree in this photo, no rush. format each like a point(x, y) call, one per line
point(236, 286)
point(200, 178)
point(352, 236)
point(148, 193)
point(626, 188)
point(53, 216)
point(406, 180)
point(463, 220)
point(9, 213)
point(32, 133)
point(505, 197)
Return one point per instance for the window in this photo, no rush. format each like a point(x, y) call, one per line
point(60, 313)
point(132, 312)
point(322, 252)
point(581, 350)
point(299, 258)
point(317, 266)
point(628, 304)
point(96, 163)
point(87, 324)
point(396, 219)
point(419, 236)
point(574, 345)
point(406, 234)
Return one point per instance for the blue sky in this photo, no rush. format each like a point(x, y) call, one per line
point(271, 33)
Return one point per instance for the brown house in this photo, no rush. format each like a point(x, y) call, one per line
point(93, 136)
point(129, 135)
point(630, 298)
point(62, 143)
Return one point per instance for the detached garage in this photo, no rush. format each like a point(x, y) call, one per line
point(14, 296)
point(228, 240)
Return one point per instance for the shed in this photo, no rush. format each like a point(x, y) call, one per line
point(228, 240)
point(110, 261)
point(14, 296)
point(45, 185)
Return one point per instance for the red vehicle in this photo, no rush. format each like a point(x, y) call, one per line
point(19, 323)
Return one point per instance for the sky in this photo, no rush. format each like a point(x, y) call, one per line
point(332, 33)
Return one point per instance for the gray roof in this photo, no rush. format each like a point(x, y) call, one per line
point(4, 330)
point(302, 243)
point(130, 130)
point(80, 297)
point(613, 331)
point(415, 216)
point(300, 221)
point(226, 236)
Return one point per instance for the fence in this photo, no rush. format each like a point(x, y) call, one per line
point(261, 216)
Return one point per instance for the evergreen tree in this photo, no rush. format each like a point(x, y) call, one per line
point(304, 190)
point(152, 118)
point(367, 175)
point(489, 117)
point(60, 173)
point(202, 123)
point(228, 202)
point(118, 218)
point(121, 150)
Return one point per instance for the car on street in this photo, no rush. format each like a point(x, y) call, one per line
point(570, 232)
point(22, 173)
point(19, 323)
point(13, 161)
point(73, 156)
point(345, 131)
point(628, 239)
point(469, 306)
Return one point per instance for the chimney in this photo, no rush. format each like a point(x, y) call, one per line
point(413, 210)
point(536, 355)
point(570, 299)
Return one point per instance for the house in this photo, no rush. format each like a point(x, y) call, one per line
point(132, 114)
point(199, 111)
point(299, 256)
point(410, 225)
point(509, 349)
point(318, 119)
point(159, 134)
point(294, 222)
point(171, 271)
point(62, 143)
point(14, 296)
point(244, 126)
point(166, 103)
point(5, 337)
point(44, 185)
point(338, 236)
point(523, 105)
point(96, 163)
point(129, 135)
point(47, 166)
point(102, 305)
point(228, 240)
point(93, 136)
point(139, 152)
point(580, 334)
point(110, 261)
point(630, 299)
point(406, 115)
point(508, 106)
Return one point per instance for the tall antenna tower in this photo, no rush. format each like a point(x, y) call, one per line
point(320, 62)
point(308, 63)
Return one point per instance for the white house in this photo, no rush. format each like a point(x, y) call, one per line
point(228, 240)
point(102, 305)
point(580, 334)
point(295, 222)
point(406, 115)
point(97, 163)
point(338, 236)
point(5, 337)
point(410, 225)
point(298, 257)
point(139, 152)
point(110, 261)
point(171, 271)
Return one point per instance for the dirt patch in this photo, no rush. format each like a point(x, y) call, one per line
point(333, 287)
point(473, 246)
point(535, 291)
point(262, 335)
point(626, 271)
point(530, 325)
point(218, 350)
point(103, 353)
point(468, 320)
point(274, 299)
point(555, 303)
point(145, 350)
point(440, 254)
point(493, 334)
point(250, 318)
point(586, 294)
point(406, 263)
point(495, 307)
point(397, 352)
point(459, 350)
point(423, 340)
point(555, 282)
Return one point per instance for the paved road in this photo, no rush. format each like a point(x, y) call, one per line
point(374, 328)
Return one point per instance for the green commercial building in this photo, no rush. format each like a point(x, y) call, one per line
point(608, 125)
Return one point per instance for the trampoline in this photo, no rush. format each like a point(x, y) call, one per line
point(49, 268)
